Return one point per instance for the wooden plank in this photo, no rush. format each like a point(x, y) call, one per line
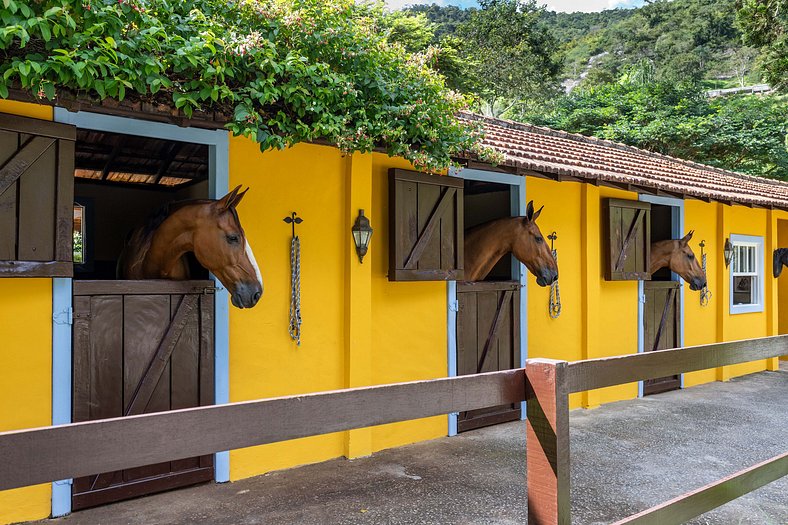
point(37, 189)
point(149, 378)
point(426, 234)
point(547, 442)
point(36, 269)
point(486, 308)
point(145, 287)
point(501, 312)
point(9, 142)
point(687, 506)
point(105, 382)
point(34, 126)
point(483, 286)
point(404, 222)
point(64, 207)
point(467, 343)
point(429, 256)
point(207, 350)
point(426, 178)
point(36, 456)
point(28, 153)
point(610, 371)
point(81, 360)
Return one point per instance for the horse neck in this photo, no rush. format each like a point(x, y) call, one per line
point(661, 253)
point(168, 245)
point(486, 244)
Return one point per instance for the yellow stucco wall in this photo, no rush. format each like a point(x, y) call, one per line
point(590, 305)
point(408, 322)
point(353, 317)
point(25, 391)
point(782, 282)
point(26, 362)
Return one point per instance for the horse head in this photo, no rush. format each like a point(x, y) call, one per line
point(530, 248)
point(220, 246)
point(780, 260)
point(680, 259)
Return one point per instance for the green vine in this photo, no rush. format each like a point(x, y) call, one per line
point(284, 71)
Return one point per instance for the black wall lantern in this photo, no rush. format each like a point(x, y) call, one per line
point(362, 232)
point(728, 252)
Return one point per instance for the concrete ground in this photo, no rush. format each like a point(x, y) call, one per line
point(626, 456)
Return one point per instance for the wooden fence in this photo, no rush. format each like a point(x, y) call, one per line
point(46, 454)
point(549, 383)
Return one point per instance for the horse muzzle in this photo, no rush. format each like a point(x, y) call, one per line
point(547, 277)
point(246, 295)
point(697, 284)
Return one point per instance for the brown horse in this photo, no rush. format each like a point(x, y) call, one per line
point(678, 256)
point(780, 260)
point(487, 243)
point(209, 229)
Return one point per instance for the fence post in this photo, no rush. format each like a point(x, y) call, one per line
point(547, 442)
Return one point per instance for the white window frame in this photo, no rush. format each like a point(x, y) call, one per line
point(758, 305)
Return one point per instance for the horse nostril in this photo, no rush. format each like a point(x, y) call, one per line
point(256, 297)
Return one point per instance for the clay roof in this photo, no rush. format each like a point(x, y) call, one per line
point(562, 155)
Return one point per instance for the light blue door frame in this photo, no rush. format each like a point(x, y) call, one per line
point(218, 181)
point(677, 231)
point(517, 208)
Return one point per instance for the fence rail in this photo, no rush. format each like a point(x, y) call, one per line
point(548, 385)
point(46, 454)
point(40, 455)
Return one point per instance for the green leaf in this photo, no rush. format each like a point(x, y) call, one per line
point(49, 90)
point(45, 33)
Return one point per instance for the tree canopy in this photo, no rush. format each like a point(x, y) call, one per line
point(744, 133)
point(284, 71)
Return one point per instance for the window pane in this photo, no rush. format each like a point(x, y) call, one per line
point(743, 290)
point(79, 233)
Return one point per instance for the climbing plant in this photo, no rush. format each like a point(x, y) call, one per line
point(284, 71)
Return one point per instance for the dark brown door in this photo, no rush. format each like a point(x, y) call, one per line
point(488, 339)
point(140, 347)
point(661, 328)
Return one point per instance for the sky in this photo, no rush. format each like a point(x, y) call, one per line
point(567, 6)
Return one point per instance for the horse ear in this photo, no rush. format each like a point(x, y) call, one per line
point(686, 239)
point(238, 198)
point(529, 211)
point(536, 215)
point(227, 202)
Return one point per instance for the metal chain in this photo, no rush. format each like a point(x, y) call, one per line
point(295, 290)
point(555, 294)
point(705, 294)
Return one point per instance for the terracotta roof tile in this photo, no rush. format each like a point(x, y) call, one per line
point(560, 153)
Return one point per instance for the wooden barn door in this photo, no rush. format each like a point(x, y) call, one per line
point(661, 328)
point(488, 339)
point(139, 347)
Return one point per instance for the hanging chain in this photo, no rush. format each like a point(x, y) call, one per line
point(555, 291)
point(295, 290)
point(705, 294)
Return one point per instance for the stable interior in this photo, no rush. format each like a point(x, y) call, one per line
point(487, 201)
point(119, 181)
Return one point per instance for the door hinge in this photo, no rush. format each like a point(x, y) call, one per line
point(454, 306)
point(64, 316)
point(643, 298)
point(205, 290)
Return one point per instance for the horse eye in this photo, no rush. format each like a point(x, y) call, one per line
point(233, 238)
point(690, 256)
point(540, 239)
